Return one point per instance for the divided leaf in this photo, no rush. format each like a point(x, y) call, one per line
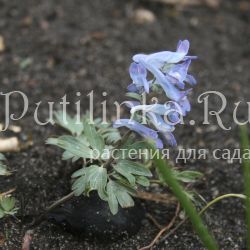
point(7, 206)
point(95, 140)
point(3, 167)
point(142, 180)
point(187, 176)
point(110, 135)
point(67, 122)
point(118, 194)
point(130, 169)
point(90, 178)
point(8, 203)
point(2, 157)
point(75, 146)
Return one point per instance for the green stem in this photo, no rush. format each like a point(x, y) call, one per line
point(209, 204)
point(246, 171)
point(186, 203)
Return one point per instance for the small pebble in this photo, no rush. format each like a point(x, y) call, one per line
point(2, 44)
point(142, 16)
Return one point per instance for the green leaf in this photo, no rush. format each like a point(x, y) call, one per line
point(118, 194)
point(3, 167)
point(8, 203)
point(142, 180)
point(112, 200)
point(68, 123)
point(67, 155)
point(3, 170)
point(134, 96)
point(90, 178)
point(134, 168)
point(98, 181)
point(124, 172)
point(95, 140)
point(1, 213)
point(79, 172)
point(2, 157)
point(74, 145)
point(124, 199)
point(139, 146)
point(79, 186)
point(187, 176)
point(25, 63)
point(111, 135)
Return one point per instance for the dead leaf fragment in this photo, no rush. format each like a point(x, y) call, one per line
point(26, 21)
point(2, 239)
point(2, 44)
point(213, 3)
point(182, 3)
point(244, 6)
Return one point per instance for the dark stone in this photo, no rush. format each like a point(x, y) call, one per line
point(91, 217)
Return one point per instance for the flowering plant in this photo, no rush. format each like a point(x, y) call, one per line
point(115, 176)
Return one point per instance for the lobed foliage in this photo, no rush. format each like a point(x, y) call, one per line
point(7, 203)
point(115, 181)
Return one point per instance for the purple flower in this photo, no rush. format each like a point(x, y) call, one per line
point(159, 123)
point(140, 129)
point(169, 76)
point(168, 138)
point(170, 90)
point(159, 59)
point(185, 105)
point(170, 71)
point(164, 129)
point(161, 109)
point(138, 73)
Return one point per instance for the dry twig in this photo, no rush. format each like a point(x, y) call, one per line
point(164, 229)
point(27, 240)
point(210, 3)
point(161, 198)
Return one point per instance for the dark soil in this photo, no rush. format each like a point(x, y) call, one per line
point(83, 45)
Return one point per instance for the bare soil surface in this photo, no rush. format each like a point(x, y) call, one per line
point(53, 48)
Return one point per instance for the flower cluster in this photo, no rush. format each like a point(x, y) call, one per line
point(169, 74)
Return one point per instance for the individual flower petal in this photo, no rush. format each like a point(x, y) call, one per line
point(159, 123)
point(159, 143)
point(161, 109)
point(190, 57)
point(168, 138)
point(191, 80)
point(175, 81)
point(138, 73)
point(185, 105)
point(131, 104)
point(132, 88)
point(170, 90)
point(179, 71)
point(174, 117)
point(183, 46)
point(140, 129)
point(176, 113)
